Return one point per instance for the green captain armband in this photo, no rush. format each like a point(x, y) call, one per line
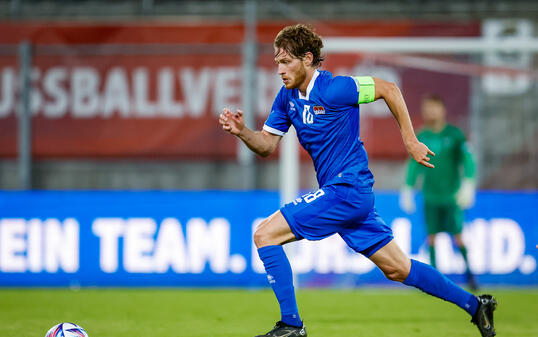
point(366, 87)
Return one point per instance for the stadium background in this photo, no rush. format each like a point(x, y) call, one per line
point(122, 176)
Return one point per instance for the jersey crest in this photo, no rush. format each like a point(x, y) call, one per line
point(319, 110)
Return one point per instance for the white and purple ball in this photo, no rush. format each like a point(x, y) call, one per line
point(66, 330)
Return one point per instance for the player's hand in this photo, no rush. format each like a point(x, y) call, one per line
point(421, 153)
point(231, 122)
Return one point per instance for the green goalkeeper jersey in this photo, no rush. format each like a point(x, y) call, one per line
point(452, 160)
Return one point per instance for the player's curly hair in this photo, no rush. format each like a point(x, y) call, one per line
point(299, 39)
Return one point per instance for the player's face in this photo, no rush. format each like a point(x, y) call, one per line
point(290, 68)
point(433, 112)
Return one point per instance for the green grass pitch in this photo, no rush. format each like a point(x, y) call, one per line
point(370, 312)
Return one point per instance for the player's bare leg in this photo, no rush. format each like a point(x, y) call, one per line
point(392, 261)
point(273, 230)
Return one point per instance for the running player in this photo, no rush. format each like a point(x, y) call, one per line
point(325, 113)
point(445, 194)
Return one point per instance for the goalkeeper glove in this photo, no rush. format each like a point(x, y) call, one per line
point(465, 196)
point(407, 199)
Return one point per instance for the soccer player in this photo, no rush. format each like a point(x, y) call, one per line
point(445, 194)
point(325, 113)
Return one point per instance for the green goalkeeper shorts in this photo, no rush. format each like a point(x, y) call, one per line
point(443, 218)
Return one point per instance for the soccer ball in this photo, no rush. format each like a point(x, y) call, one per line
point(66, 330)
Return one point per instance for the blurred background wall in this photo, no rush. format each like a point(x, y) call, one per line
point(125, 94)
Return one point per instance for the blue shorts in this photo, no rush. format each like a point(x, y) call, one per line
point(340, 208)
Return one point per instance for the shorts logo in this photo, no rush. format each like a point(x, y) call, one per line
point(319, 110)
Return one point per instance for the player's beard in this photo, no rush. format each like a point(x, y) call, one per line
point(298, 79)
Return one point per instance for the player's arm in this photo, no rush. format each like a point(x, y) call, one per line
point(260, 142)
point(465, 196)
point(469, 167)
point(394, 99)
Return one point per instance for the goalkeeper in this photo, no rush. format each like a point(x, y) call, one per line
point(445, 193)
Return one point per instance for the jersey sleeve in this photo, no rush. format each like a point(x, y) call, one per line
point(469, 167)
point(412, 172)
point(351, 90)
point(343, 91)
point(278, 121)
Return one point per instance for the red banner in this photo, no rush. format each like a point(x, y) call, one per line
point(154, 90)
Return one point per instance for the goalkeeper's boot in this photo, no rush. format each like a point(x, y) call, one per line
point(282, 329)
point(483, 318)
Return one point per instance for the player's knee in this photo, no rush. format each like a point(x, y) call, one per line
point(396, 273)
point(273, 231)
point(261, 238)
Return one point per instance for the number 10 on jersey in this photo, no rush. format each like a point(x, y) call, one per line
point(308, 117)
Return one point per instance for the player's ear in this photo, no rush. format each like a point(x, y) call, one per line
point(308, 59)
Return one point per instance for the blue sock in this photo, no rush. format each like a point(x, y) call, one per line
point(280, 277)
point(431, 281)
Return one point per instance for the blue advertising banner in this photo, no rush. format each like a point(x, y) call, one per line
point(204, 239)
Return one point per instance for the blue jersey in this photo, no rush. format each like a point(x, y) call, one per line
point(327, 121)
